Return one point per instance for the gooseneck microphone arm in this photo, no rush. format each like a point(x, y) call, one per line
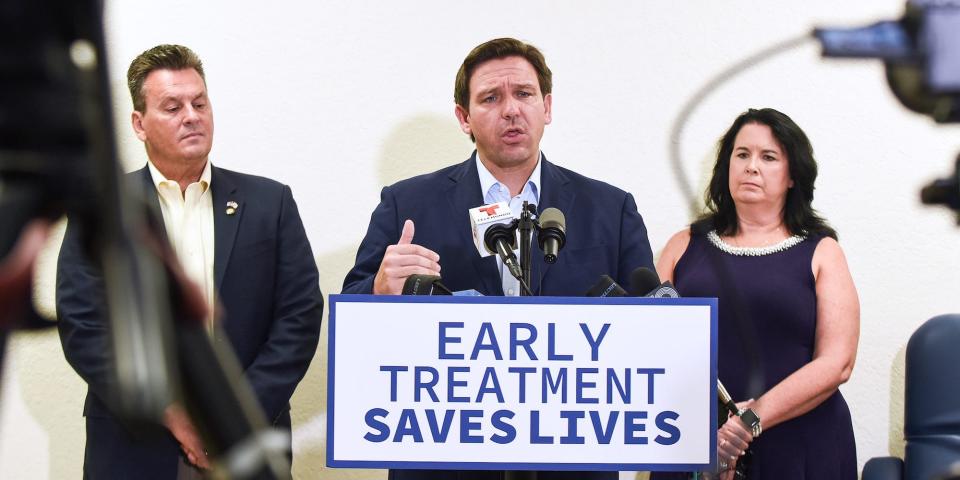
point(525, 226)
point(518, 272)
point(501, 239)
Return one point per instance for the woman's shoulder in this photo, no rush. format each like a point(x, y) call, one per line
point(679, 242)
point(671, 253)
point(681, 236)
point(827, 248)
point(828, 256)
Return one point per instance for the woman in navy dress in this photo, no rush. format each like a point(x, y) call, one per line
point(788, 309)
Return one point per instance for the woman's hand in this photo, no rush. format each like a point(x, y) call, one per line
point(733, 439)
point(729, 473)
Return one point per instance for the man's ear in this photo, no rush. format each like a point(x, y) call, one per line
point(136, 119)
point(464, 117)
point(547, 108)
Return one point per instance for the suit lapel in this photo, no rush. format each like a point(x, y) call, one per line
point(464, 193)
point(554, 193)
point(225, 225)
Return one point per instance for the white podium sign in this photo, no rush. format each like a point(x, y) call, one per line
point(528, 383)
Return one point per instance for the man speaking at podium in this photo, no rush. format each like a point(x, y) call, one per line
point(503, 102)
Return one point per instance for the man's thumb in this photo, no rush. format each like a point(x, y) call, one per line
point(406, 236)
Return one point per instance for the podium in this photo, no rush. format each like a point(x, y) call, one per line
point(522, 383)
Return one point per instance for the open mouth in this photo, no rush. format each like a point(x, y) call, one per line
point(513, 133)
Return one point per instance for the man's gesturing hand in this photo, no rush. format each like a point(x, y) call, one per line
point(402, 260)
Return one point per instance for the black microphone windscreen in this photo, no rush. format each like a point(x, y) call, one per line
point(606, 287)
point(440, 289)
point(643, 280)
point(496, 232)
point(419, 285)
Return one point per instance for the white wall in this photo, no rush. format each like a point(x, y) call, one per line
point(338, 99)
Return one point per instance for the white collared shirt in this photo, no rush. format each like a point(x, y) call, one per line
point(493, 192)
point(188, 218)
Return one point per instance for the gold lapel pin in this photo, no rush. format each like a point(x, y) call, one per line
point(232, 207)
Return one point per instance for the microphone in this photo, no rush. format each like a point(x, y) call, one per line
point(482, 218)
point(606, 287)
point(646, 283)
point(494, 232)
point(502, 239)
point(419, 284)
point(664, 290)
point(726, 399)
point(749, 419)
point(552, 235)
point(643, 280)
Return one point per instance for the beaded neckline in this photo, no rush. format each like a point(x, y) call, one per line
point(753, 251)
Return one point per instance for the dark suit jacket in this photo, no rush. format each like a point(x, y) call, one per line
point(267, 281)
point(605, 236)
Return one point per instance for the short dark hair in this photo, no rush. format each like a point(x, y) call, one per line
point(798, 214)
point(500, 48)
point(161, 57)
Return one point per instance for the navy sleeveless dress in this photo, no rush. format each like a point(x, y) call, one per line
point(778, 300)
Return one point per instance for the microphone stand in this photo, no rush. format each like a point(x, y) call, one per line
point(525, 226)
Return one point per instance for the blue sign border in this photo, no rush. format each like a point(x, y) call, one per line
point(659, 467)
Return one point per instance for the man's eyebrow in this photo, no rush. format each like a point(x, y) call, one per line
point(164, 96)
point(484, 91)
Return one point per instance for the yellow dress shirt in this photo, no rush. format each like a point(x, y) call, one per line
point(188, 218)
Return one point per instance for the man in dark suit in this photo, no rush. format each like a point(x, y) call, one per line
point(238, 237)
point(503, 101)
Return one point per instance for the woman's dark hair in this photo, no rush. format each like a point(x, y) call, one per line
point(798, 213)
